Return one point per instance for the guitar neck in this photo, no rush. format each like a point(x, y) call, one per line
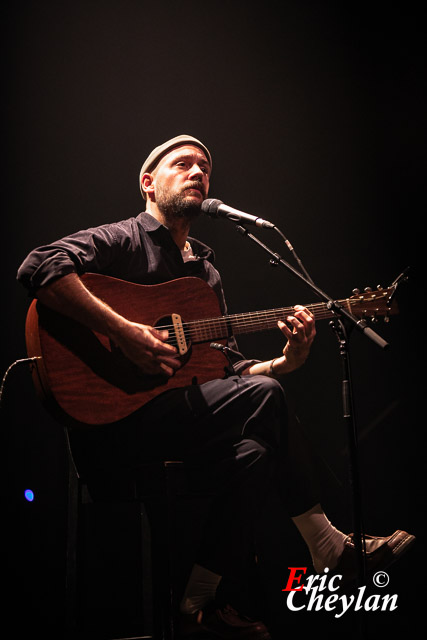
point(242, 323)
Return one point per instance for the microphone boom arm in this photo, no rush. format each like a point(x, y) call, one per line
point(332, 305)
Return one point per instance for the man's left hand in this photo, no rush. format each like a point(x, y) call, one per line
point(300, 330)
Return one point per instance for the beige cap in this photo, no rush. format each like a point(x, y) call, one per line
point(164, 148)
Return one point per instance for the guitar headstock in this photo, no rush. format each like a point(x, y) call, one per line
point(373, 304)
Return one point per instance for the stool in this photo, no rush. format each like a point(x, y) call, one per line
point(148, 500)
point(150, 497)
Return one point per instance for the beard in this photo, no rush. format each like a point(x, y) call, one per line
point(177, 205)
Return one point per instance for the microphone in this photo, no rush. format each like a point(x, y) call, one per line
point(217, 209)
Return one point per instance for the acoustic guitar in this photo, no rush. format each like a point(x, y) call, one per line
point(86, 377)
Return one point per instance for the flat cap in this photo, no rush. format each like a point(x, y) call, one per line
point(158, 153)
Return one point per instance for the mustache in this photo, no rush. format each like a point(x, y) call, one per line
point(195, 184)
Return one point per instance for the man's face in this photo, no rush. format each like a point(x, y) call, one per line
point(181, 182)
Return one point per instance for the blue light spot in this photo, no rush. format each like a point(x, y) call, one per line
point(29, 495)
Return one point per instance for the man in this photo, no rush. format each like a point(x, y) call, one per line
point(235, 428)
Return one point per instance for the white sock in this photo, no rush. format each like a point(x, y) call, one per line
point(200, 589)
point(324, 541)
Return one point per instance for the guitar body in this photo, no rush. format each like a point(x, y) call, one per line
point(87, 379)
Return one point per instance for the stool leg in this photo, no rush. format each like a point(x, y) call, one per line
point(147, 576)
point(71, 554)
point(163, 619)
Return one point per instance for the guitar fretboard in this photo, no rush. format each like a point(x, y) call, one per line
point(242, 323)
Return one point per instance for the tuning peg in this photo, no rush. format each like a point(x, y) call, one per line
point(356, 292)
point(379, 287)
point(367, 289)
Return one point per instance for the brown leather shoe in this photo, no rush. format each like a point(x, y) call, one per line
point(224, 623)
point(380, 553)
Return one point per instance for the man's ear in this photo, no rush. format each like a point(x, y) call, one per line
point(147, 184)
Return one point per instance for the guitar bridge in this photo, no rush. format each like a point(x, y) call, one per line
point(181, 342)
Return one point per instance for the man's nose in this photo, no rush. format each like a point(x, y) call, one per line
point(196, 171)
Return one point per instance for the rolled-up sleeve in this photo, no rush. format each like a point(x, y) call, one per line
point(89, 250)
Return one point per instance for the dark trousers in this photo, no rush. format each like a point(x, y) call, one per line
point(237, 438)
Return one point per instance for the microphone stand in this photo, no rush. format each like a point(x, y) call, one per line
point(342, 320)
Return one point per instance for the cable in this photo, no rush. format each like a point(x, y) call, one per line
point(292, 250)
point(21, 361)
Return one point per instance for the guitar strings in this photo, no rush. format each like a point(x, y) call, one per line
point(245, 318)
point(206, 329)
point(209, 328)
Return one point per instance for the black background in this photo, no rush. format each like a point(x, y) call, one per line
point(314, 115)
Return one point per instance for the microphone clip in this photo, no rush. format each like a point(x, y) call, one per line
point(226, 352)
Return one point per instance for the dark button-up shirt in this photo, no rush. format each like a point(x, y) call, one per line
point(139, 250)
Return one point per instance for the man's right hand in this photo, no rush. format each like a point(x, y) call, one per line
point(143, 345)
point(147, 348)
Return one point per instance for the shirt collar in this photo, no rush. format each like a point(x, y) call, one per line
point(151, 224)
point(148, 222)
